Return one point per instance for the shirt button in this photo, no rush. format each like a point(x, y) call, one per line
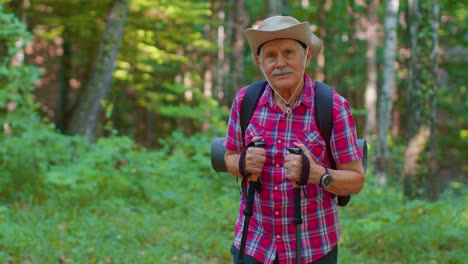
point(276, 213)
point(277, 165)
point(278, 237)
point(276, 188)
point(279, 141)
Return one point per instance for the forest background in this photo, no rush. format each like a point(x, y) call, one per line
point(108, 109)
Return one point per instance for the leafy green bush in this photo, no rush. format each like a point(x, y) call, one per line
point(117, 201)
point(16, 78)
point(379, 228)
point(126, 204)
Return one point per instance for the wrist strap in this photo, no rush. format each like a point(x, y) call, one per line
point(242, 170)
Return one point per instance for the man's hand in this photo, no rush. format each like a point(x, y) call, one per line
point(255, 158)
point(293, 165)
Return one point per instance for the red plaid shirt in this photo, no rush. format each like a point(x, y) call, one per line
point(271, 228)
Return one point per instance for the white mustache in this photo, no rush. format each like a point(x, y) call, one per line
point(282, 71)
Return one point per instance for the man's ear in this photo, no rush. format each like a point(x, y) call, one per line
point(257, 61)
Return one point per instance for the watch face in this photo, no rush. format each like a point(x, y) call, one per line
point(327, 180)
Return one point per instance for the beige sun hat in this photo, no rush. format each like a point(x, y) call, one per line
point(281, 27)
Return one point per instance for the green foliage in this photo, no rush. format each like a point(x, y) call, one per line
point(163, 42)
point(16, 78)
point(379, 228)
point(119, 203)
point(22, 166)
point(65, 200)
point(115, 200)
point(198, 108)
point(453, 130)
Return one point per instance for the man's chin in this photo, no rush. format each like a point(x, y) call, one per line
point(283, 81)
point(283, 85)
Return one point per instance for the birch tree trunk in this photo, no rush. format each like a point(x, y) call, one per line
point(371, 86)
point(85, 119)
point(241, 23)
point(228, 35)
point(386, 93)
point(218, 68)
point(210, 58)
point(324, 8)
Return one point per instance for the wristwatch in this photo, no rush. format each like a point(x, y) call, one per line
point(326, 180)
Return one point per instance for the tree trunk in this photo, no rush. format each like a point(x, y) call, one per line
point(412, 100)
point(218, 69)
point(228, 90)
point(324, 8)
point(371, 86)
point(19, 8)
point(386, 93)
point(85, 119)
point(433, 182)
point(413, 121)
point(421, 99)
point(210, 58)
point(275, 7)
point(241, 22)
point(63, 77)
point(412, 154)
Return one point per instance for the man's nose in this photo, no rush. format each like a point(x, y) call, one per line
point(280, 62)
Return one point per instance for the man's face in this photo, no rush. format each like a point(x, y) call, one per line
point(282, 61)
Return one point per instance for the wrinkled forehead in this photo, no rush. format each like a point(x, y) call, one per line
point(281, 42)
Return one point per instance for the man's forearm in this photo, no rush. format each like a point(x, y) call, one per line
point(231, 159)
point(349, 178)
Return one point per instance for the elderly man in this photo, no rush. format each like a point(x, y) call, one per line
point(282, 48)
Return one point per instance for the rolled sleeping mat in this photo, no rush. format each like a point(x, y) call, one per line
point(217, 154)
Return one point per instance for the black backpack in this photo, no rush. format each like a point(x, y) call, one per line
point(323, 114)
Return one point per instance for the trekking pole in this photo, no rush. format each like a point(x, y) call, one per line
point(297, 211)
point(254, 185)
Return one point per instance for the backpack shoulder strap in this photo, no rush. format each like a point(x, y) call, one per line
point(324, 117)
point(324, 114)
point(249, 103)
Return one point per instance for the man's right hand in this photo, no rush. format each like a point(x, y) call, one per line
point(255, 158)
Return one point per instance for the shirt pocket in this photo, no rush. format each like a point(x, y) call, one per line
point(252, 131)
point(315, 144)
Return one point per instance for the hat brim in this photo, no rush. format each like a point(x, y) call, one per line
point(300, 32)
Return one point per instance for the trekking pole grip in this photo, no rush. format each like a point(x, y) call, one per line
point(256, 144)
point(254, 184)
